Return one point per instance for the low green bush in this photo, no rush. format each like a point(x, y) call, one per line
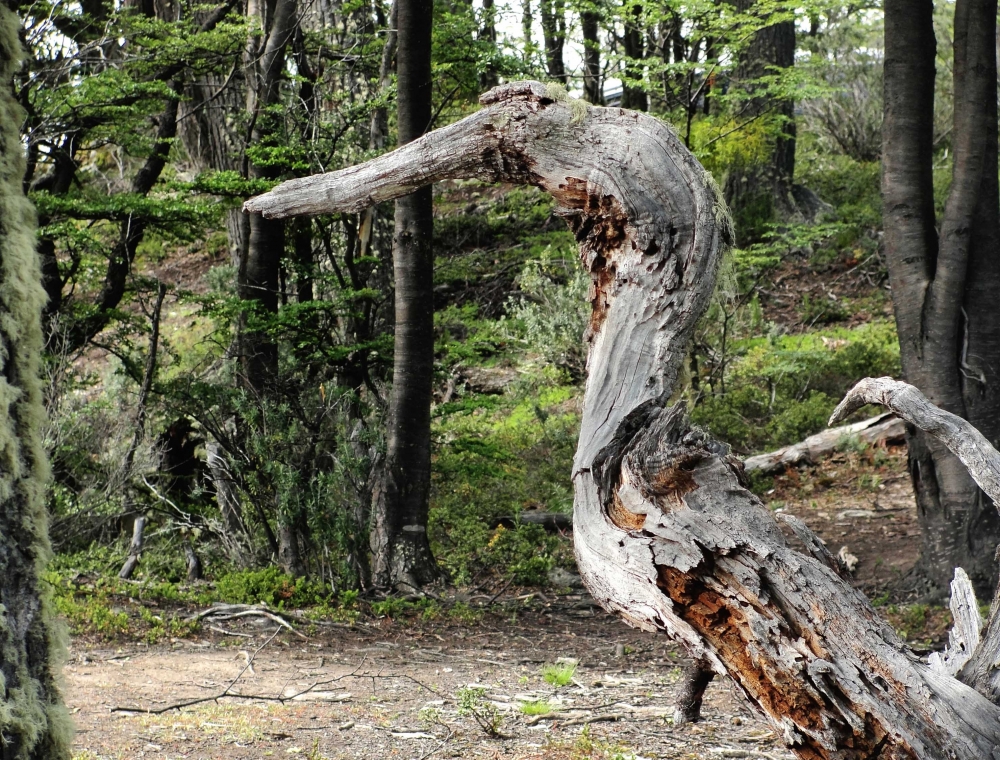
point(270, 586)
point(780, 389)
point(496, 462)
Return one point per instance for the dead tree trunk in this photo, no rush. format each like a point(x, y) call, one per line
point(667, 534)
point(134, 549)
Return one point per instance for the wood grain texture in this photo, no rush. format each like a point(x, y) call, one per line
point(667, 533)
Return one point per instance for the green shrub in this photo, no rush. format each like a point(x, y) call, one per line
point(473, 701)
point(270, 586)
point(535, 707)
point(493, 463)
point(552, 313)
point(781, 389)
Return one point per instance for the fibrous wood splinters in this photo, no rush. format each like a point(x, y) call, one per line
point(667, 533)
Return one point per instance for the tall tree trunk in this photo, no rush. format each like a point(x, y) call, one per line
point(401, 551)
point(260, 265)
point(553, 14)
point(633, 94)
point(666, 532)
point(590, 28)
point(259, 271)
point(759, 193)
point(34, 724)
point(942, 289)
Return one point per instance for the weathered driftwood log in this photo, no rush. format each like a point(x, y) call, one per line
point(666, 532)
point(885, 427)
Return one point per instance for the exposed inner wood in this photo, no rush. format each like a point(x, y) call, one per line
point(666, 532)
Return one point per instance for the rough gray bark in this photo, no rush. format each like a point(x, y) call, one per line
point(944, 290)
point(34, 724)
point(666, 533)
point(696, 678)
point(971, 656)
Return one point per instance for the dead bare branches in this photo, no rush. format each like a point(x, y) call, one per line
point(222, 612)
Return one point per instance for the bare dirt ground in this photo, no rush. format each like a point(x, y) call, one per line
point(386, 690)
point(393, 688)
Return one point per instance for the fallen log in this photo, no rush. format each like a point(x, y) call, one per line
point(551, 521)
point(666, 532)
point(881, 429)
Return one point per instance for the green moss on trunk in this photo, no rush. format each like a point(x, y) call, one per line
point(33, 722)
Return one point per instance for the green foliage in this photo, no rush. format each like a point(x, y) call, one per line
point(552, 313)
point(493, 464)
point(473, 701)
point(269, 586)
point(535, 707)
point(782, 388)
point(559, 674)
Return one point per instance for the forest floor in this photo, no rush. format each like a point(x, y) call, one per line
point(416, 689)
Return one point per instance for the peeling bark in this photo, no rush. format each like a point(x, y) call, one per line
point(667, 534)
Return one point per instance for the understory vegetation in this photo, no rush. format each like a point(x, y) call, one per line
point(165, 429)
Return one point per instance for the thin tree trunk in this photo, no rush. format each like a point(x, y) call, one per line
point(34, 724)
point(488, 78)
point(134, 548)
point(666, 532)
point(258, 278)
point(593, 91)
point(259, 269)
point(757, 194)
point(401, 552)
point(527, 45)
point(553, 13)
point(942, 311)
point(633, 94)
point(148, 375)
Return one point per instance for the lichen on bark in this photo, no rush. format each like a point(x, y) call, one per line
point(34, 724)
